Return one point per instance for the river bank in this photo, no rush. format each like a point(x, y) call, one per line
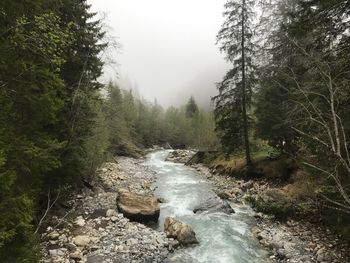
point(89, 228)
point(290, 241)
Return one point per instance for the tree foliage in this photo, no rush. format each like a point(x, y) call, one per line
point(299, 50)
point(137, 123)
point(48, 95)
point(303, 93)
point(236, 39)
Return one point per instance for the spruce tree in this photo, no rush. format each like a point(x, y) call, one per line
point(191, 107)
point(273, 96)
point(236, 39)
point(32, 42)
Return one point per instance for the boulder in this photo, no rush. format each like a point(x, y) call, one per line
point(224, 195)
point(138, 207)
point(174, 228)
point(213, 206)
point(82, 240)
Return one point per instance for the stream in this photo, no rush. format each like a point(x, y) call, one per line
point(222, 238)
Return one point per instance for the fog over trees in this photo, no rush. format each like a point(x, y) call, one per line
point(275, 114)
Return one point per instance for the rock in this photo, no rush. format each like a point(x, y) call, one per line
point(81, 241)
point(63, 238)
point(137, 207)
point(214, 205)
point(114, 219)
point(236, 191)
point(57, 252)
point(161, 200)
point(132, 242)
point(259, 215)
point(182, 232)
point(247, 185)
point(281, 253)
point(79, 221)
point(77, 255)
point(224, 195)
point(71, 247)
point(111, 212)
point(320, 254)
point(180, 156)
point(53, 235)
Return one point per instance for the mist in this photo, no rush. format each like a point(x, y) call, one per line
point(167, 48)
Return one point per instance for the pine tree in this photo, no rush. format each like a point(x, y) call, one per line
point(235, 90)
point(80, 71)
point(273, 96)
point(191, 107)
point(31, 58)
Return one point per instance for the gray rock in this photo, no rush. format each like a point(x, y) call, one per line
point(179, 230)
point(111, 212)
point(57, 252)
point(213, 206)
point(281, 253)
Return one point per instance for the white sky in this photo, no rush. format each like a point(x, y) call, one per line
point(166, 45)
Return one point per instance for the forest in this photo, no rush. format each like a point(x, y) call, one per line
point(286, 95)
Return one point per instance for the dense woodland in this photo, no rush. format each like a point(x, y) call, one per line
point(288, 91)
point(287, 95)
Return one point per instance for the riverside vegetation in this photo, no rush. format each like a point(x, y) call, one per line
point(281, 114)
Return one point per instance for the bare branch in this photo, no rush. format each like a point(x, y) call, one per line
point(48, 207)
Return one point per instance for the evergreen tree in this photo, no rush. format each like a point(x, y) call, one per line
point(235, 90)
point(80, 72)
point(191, 108)
point(48, 108)
point(31, 58)
point(273, 97)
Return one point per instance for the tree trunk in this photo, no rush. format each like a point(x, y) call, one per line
point(244, 100)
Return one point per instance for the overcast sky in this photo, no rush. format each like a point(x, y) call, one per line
point(168, 46)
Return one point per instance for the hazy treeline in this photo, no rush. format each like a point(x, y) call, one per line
point(135, 123)
point(291, 71)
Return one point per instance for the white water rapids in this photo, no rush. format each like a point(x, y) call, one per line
point(222, 238)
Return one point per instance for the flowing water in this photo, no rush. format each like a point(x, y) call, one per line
point(223, 238)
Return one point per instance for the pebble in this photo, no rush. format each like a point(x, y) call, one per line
point(111, 213)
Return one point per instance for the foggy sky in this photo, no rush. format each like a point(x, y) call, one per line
point(167, 46)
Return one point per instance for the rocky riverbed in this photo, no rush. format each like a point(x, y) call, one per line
point(292, 241)
point(88, 228)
